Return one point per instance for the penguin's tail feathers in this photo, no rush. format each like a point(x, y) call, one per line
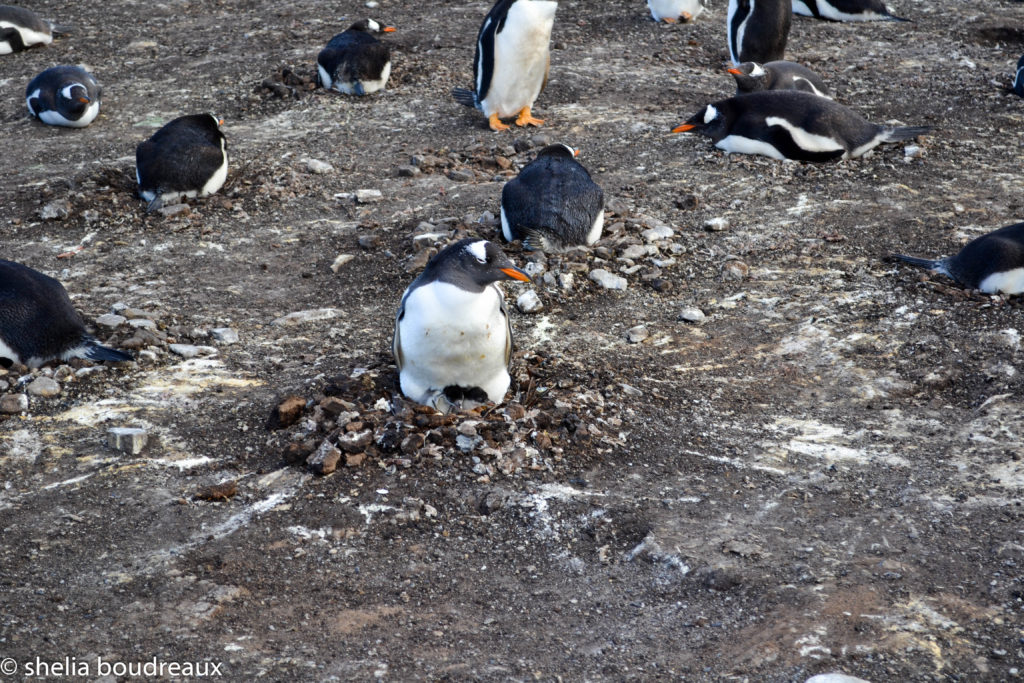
point(93, 350)
point(465, 97)
point(906, 133)
point(61, 29)
point(893, 17)
point(939, 265)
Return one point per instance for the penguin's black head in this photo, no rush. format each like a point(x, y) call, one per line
point(206, 124)
point(472, 264)
point(559, 150)
point(73, 99)
point(708, 121)
point(370, 26)
point(750, 76)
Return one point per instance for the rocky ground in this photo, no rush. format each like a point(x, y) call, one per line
point(764, 452)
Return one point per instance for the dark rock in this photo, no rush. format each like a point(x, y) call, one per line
point(286, 413)
point(222, 491)
point(325, 459)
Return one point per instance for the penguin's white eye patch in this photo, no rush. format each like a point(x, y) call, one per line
point(710, 114)
point(758, 70)
point(478, 250)
point(374, 26)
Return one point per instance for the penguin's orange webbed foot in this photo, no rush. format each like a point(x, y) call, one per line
point(686, 17)
point(496, 123)
point(526, 119)
point(669, 20)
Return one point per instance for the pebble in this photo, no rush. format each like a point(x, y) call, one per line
point(43, 386)
point(661, 232)
point(634, 252)
point(191, 350)
point(287, 412)
point(57, 210)
point(340, 260)
point(460, 176)
point(318, 167)
point(534, 268)
point(692, 314)
point(566, 281)
point(911, 152)
point(637, 334)
point(174, 210)
point(468, 443)
point(324, 459)
point(145, 323)
point(734, 269)
point(354, 442)
point(130, 440)
point(369, 196)
point(716, 224)
point(111, 320)
point(608, 280)
point(541, 140)
point(408, 171)
point(11, 404)
point(225, 335)
point(312, 315)
point(529, 302)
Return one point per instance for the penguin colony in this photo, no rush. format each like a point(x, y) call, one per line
point(452, 338)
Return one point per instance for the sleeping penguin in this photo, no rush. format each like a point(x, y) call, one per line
point(512, 60)
point(354, 61)
point(453, 340)
point(845, 10)
point(992, 263)
point(789, 124)
point(188, 157)
point(779, 75)
point(21, 29)
point(38, 322)
point(64, 96)
point(552, 205)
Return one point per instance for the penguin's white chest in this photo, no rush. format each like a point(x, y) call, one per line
point(521, 54)
point(673, 9)
point(1007, 282)
point(449, 336)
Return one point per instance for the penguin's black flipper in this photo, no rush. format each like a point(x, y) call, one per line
point(97, 351)
point(906, 133)
point(464, 96)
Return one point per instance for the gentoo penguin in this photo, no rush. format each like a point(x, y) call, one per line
point(512, 60)
point(1018, 78)
point(38, 323)
point(780, 75)
point(21, 28)
point(789, 124)
point(354, 61)
point(187, 157)
point(453, 339)
point(552, 204)
point(758, 29)
point(992, 263)
point(845, 10)
point(671, 11)
point(64, 96)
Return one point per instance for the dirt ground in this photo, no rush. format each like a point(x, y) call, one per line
point(823, 474)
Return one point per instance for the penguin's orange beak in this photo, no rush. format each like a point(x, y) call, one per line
point(388, 29)
point(516, 274)
point(683, 128)
point(576, 152)
point(220, 122)
point(735, 71)
point(84, 100)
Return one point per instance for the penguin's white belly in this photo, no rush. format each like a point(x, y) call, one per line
point(28, 37)
point(55, 118)
point(7, 352)
point(801, 8)
point(738, 144)
point(673, 9)
point(520, 58)
point(830, 12)
point(453, 337)
point(1007, 282)
point(216, 181)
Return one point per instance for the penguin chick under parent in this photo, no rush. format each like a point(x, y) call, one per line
point(779, 75)
point(186, 158)
point(671, 11)
point(788, 124)
point(512, 60)
point(453, 340)
point(38, 322)
point(552, 204)
point(992, 263)
point(757, 30)
point(21, 28)
point(354, 61)
point(64, 96)
point(845, 10)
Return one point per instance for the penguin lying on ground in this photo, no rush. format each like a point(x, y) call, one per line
point(64, 96)
point(38, 322)
point(845, 10)
point(992, 263)
point(187, 157)
point(552, 204)
point(757, 30)
point(1018, 78)
point(453, 340)
point(512, 59)
point(354, 61)
point(671, 11)
point(21, 29)
point(788, 124)
point(780, 75)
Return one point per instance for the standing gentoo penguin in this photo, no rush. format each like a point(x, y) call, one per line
point(187, 157)
point(845, 10)
point(354, 61)
point(753, 77)
point(992, 263)
point(758, 29)
point(552, 204)
point(789, 124)
point(453, 340)
point(64, 96)
point(512, 60)
point(21, 28)
point(1018, 78)
point(671, 11)
point(38, 323)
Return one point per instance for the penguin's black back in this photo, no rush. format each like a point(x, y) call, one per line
point(854, 7)
point(37, 319)
point(355, 55)
point(553, 197)
point(181, 156)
